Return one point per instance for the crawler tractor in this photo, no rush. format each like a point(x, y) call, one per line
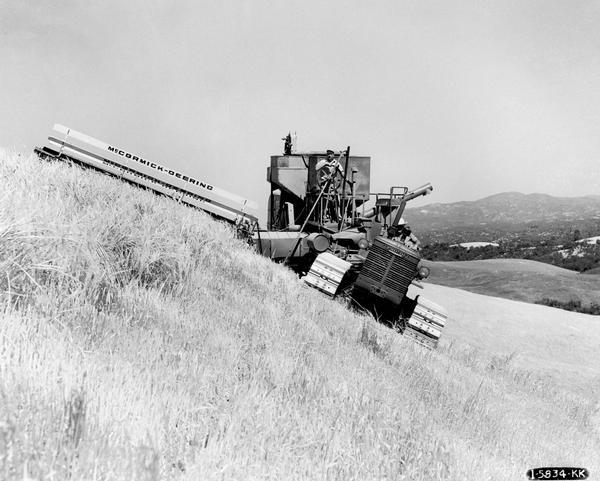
point(322, 221)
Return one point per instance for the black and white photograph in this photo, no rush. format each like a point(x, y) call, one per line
point(299, 240)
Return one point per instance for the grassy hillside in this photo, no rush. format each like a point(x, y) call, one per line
point(517, 279)
point(139, 340)
point(595, 271)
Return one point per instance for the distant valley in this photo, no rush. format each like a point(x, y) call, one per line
point(536, 227)
point(500, 211)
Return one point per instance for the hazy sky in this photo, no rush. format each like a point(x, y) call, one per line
point(475, 97)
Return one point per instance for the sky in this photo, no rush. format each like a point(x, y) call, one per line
point(476, 97)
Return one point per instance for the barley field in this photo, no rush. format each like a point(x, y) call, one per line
point(139, 340)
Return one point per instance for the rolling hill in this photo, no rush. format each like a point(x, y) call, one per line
point(517, 279)
point(506, 208)
point(508, 217)
point(141, 340)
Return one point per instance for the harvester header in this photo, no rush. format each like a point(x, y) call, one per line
point(68, 144)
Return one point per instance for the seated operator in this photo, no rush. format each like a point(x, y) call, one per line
point(328, 167)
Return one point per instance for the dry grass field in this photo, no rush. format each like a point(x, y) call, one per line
point(140, 341)
point(559, 344)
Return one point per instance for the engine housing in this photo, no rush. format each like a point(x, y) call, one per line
point(389, 269)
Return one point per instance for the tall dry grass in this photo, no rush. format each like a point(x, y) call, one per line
point(140, 340)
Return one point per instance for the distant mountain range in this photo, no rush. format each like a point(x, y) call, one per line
point(505, 209)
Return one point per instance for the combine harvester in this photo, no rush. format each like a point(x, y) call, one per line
point(320, 223)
